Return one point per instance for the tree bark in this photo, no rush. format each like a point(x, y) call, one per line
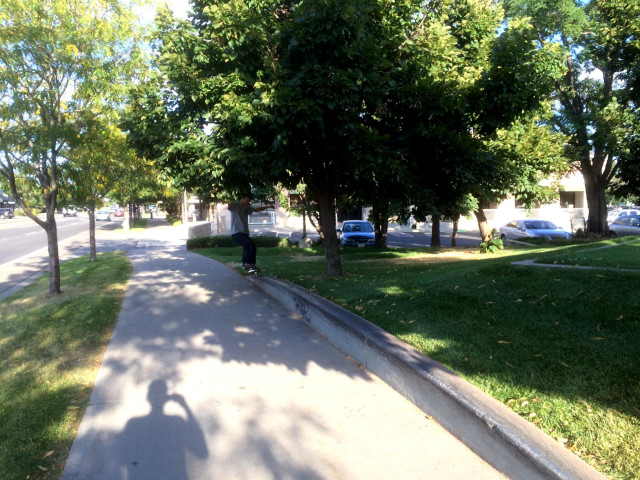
point(327, 220)
point(435, 231)
point(304, 224)
point(454, 234)
point(126, 221)
point(54, 256)
point(483, 225)
point(596, 201)
point(92, 233)
point(381, 223)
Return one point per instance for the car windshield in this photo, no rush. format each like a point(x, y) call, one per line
point(358, 227)
point(539, 225)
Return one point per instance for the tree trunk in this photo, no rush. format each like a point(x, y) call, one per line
point(126, 221)
point(483, 225)
point(92, 233)
point(54, 256)
point(435, 231)
point(382, 230)
point(596, 201)
point(327, 221)
point(454, 234)
point(381, 223)
point(304, 224)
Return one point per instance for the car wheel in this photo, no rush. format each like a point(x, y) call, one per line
point(503, 237)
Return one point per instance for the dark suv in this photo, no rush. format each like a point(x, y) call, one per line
point(6, 213)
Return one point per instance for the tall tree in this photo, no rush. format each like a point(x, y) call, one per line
point(464, 77)
point(61, 63)
point(597, 110)
point(287, 89)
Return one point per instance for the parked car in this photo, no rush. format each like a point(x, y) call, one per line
point(625, 225)
point(357, 233)
point(6, 213)
point(103, 214)
point(622, 212)
point(118, 212)
point(69, 212)
point(532, 228)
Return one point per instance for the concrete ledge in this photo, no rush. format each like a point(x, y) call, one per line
point(495, 433)
point(199, 230)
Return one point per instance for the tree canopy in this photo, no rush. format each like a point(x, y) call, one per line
point(597, 98)
point(62, 64)
point(340, 95)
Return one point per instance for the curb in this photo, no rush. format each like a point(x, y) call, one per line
point(496, 434)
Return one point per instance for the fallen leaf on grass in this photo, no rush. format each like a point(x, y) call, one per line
point(359, 308)
point(562, 440)
point(43, 468)
point(48, 454)
point(597, 338)
point(504, 342)
point(564, 364)
point(620, 317)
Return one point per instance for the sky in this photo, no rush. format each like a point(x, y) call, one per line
point(179, 7)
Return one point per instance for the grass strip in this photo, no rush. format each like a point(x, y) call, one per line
point(560, 347)
point(50, 351)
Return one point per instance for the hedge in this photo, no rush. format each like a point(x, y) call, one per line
point(226, 241)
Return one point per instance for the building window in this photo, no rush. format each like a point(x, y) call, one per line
point(567, 199)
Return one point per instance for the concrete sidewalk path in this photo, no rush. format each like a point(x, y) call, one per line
point(208, 377)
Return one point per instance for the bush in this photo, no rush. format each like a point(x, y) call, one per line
point(217, 241)
point(493, 244)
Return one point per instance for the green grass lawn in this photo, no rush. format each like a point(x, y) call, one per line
point(602, 254)
point(560, 347)
point(50, 351)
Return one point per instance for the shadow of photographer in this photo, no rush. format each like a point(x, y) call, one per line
point(157, 445)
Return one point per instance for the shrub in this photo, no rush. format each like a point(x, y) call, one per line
point(493, 244)
point(226, 241)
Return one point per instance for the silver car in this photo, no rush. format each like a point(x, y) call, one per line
point(532, 228)
point(625, 225)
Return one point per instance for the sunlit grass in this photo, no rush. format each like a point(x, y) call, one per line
point(50, 350)
point(560, 347)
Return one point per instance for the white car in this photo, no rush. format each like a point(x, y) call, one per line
point(69, 212)
point(622, 212)
point(532, 228)
point(103, 214)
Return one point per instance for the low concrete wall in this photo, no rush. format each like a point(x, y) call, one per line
point(199, 230)
point(499, 436)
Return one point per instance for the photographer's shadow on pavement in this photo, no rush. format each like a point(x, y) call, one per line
point(157, 445)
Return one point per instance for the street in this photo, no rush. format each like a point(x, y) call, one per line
point(25, 256)
point(22, 236)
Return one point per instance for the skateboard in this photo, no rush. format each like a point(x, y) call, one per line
point(253, 271)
